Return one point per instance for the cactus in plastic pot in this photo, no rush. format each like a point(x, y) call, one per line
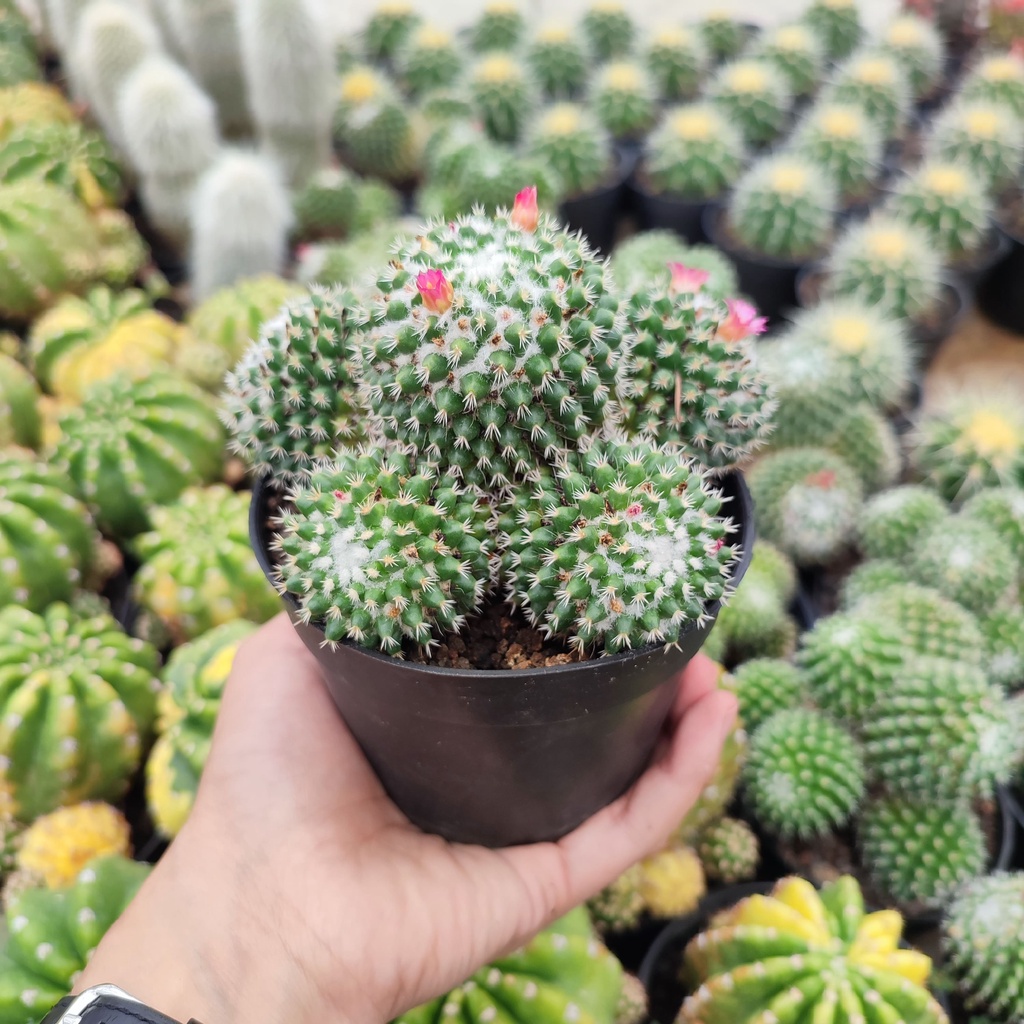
point(389, 27)
point(797, 53)
point(985, 137)
point(997, 78)
point(844, 142)
point(429, 59)
point(559, 62)
point(623, 99)
point(503, 95)
point(500, 26)
point(608, 29)
point(893, 522)
point(918, 46)
point(837, 25)
point(729, 851)
point(875, 81)
point(723, 35)
point(571, 141)
point(754, 96)
point(677, 61)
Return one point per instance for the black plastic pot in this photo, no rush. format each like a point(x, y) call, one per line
point(596, 214)
point(501, 758)
point(1000, 292)
point(683, 216)
point(973, 271)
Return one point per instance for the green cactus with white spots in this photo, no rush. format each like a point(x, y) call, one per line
point(894, 521)
point(503, 96)
point(916, 43)
point(428, 60)
point(797, 53)
point(20, 422)
point(996, 78)
point(609, 30)
point(623, 98)
point(764, 686)
point(837, 25)
point(500, 26)
point(985, 137)
point(845, 143)
point(874, 81)
point(677, 61)
point(729, 851)
point(76, 706)
point(558, 61)
point(754, 96)
point(569, 139)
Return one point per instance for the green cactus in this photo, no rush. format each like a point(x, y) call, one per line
point(429, 60)
point(345, 263)
point(1003, 509)
point(608, 29)
point(889, 264)
point(804, 775)
point(325, 207)
point(194, 681)
point(996, 78)
point(874, 81)
point(765, 686)
point(870, 578)
point(800, 954)
point(501, 26)
point(754, 96)
point(51, 935)
point(677, 61)
point(632, 1006)
point(619, 906)
point(90, 692)
point(198, 570)
point(694, 152)
point(729, 851)
point(644, 261)
point(18, 64)
point(387, 29)
point(131, 446)
point(982, 936)
point(894, 521)
point(797, 53)
point(921, 851)
point(572, 143)
point(917, 45)
point(503, 97)
point(867, 443)
point(376, 204)
point(837, 25)
point(949, 203)
point(724, 36)
point(845, 143)
point(291, 399)
point(20, 422)
point(1003, 631)
point(122, 252)
point(623, 98)
point(985, 137)
point(558, 61)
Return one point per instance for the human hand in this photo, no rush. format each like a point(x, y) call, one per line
point(298, 892)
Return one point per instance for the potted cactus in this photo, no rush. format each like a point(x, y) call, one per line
point(677, 60)
point(837, 25)
point(755, 96)
point(797, 53)
point(491, 368)
point(624, 100)
point(558, 61)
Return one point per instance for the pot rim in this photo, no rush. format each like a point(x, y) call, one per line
point(712, 221)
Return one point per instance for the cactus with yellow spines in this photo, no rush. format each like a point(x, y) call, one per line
point(500, 26)
point(388, 28)
point(754, 96)
point(845, 143)
point(33, 103)
point(429, 59)
point(723, 35)
point(609, 30)
point(558, 61)
point(799, 954)
point(623, 99)
point(568, 138)
point(797, 53)
point(875, 81)
point(677, 61)
point(837, 25)
point(996, 78)
point(985, 137)
point(917, 44)
point(671, 883)
point(503, 96)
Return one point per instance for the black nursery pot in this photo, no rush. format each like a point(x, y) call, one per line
point(500, 758)
point(596, 214)
point(1000, 291)
point(973, 271)
point(683, 216)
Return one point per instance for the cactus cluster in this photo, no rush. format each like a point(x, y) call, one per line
point(842, 140)
point(754, 96)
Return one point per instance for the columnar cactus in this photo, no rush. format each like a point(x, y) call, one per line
point(799, 952)
point(797, 53)
point(844, 142)
point(917, 45)
point(624, 99)
point(609, 30)
point(93, 687)
point(500, 26)
point(837, 24)
point(723, 35)
point(388, 28)
point(754, 96)
point(893, 522)
point(677, 61)
point(571, 141)
point(997, 78)
point(804, 775)
point(695, 152)
point(20, 422)
point(764, 686)
point(729, 851)
point(502, 95)
point(645, 260)
point(782, 207)
point(428, 60)
point(558, 62)
point(985, 137)
point(874, 80)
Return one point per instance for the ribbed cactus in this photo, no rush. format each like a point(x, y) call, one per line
point(32, 101)
point(982, 938)
point(874, 81)
point(240, 219)
point(887, 263)
point(997, 78)
point(289, 71)
point(729, 851)
point(723, 35)
point(917, 45)
point(800, 953)
point(797, 53)
point(677, 61)
point(930, 623)
point(430, 59)
point(502, 94)
point(389, 26)
point(500, 26)
point(804, 775)
point(949, 203)
point(764, 686)
point(893, 522)
point(921, 851)
point(985, 137)
point(783, 207)
point(609, 30)
point(754, 96)
point(131, 446)
point(837, 24)
point(844, 142)
point(558, 62)
point(20, 422)
point(170, 133)
point(198, 569)
point(623, 99)
point(292, 398)
point(694, 152)
point(1003, 509)
point(570, 140)
point(194, 681)
point(91, 688)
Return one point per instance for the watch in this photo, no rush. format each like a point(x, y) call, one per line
point(105, 1004)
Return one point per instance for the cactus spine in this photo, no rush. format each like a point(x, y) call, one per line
point(624, 100)
point(843, 141)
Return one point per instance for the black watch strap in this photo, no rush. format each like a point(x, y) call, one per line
point(106, 1005)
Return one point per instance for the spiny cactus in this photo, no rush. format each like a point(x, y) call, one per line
point(949, 202)
point(764, 686)
point(921, 851)
point(985, 137)
point(723, 35)
point(844, 142)
point(671, 883)
point(917, 45)
point(289, 71)
point(240, 219)
point(874, 81)
point(30, 102)
point(718, 794)
point(982, 937)
point(502, 95)
point(867, 442)
point(754, 96)
point(887, 263)
point(571, 141)
point(325, 207)
point(198, 569)
point(20, 422)
point(804, 775)
point(95, 690)
point(645, 260)
point(756, 622)
point(429, 59)
point(797, 53)
point(388, 28)
point(348, 262)
point(997, 78)
point(624, 100)
point(122, 253)
point(633, 1005)
point(558, 62)
point(677, 61)
point(783, 208)
point(1003, 509)
point(500, 26)
point(609, 30)
point(619, 905)
point(893, 522)
point(695, 152)
point(1003, 631)
point(131, 446)
point(875, 576)
point(729, 851)
point(837, 24)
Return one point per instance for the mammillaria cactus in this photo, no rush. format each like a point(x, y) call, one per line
point(985, 137)
point(797, 53)
point(800, 952)
point(671, 883)
point(500, 26)
point(844, 142)
point(645, 260)
point(949, 203)
point(723, 35)
point(894, 521)
point(51, 935)
point(429, 59)
point(1003, 630)
point(871, 577)
point(194, 678)
point(694, 152)
point(982, 937)
point(502, 95)
point(633, 1005)
point(754, 96)
point(571, 141)
point(921, 851)
point(133, 445)
point(20, 422)
point(887, 263)
point(677, 61)
point(917, 44)
point(804, 775)
point(729, 851)
point(558, 62)
point(782, 208)
point(867, 442)
point(874, 80)
point(1003, 509)
point(764, 686)
point(93, 686)
point(837, 24)
point(624, 100)
point(198, 568)
point(388, 28)
point(997, 78)
point(609, 30)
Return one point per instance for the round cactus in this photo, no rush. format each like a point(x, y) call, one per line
point(1003, 509)
point(982, 938)
point(867, 443)
point(783, 208)
point(870, 578)
point(558, 62)
point(570, 140)
point(837, 25)
point(502, 95)
point(754, 96)
point(804, 775)
point(844, 142)
point(1003, 631)
point(623, 98)
point(695, 152)
point(671, 883)
point(325, 206)
point(985, 137)
point(677, 61)
point(500, 26)
point(724, 36)
point(20, 422)
point(95, 690)
point(755, 623)
point(917, 45)
point(344, 263)
point(291, 399)
point(633, 1005)
point(874, 81)
point(797, 53)
point(893, 522)
point(997, 78)
point(198, 569)
point(949, 203)
point(391, 23)
point(619, 905)
point(729, 851)
point(429, 60)
point(886, 263)
point(33, 102)
point(645, 260)
point(609, 30)
point(764, 686)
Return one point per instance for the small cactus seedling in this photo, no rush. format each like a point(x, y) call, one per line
point(949, 203)
point(572, 142)
point(559, 63)
point(388, 28)
point(729, 851)
point(428, 60)
point(837, 25)
point(783, 207)
point(985, 137)
point(997, 78)
point(844, 142)
point(797, 53)
point(874, 80)
point(502, 94)
point(624, 100)
point(609, 30)
point(695, 152)
point(501, 26)
point(645, 261)
point(893, 522)
point(917, 44)
point(724, 36)
point(754, 96)
point(677, 61)
point(764, 686)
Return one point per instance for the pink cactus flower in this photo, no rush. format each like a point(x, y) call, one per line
point(741, 322)
point(825, 479)
point(525, 213)
point(687, 279)
point(436, 290)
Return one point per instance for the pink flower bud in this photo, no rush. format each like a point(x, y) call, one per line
point(824, 478)
point(741, 322)
point(525, 213)
point(436, 290)
point(687, 279)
